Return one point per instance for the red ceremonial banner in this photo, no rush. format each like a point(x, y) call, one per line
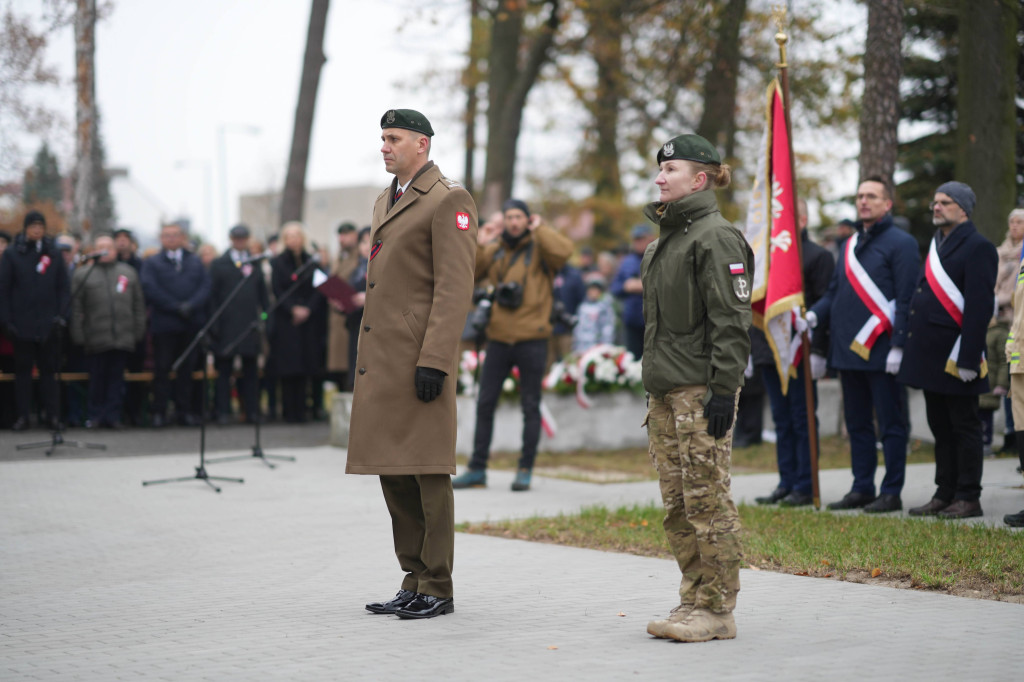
point(784, 292)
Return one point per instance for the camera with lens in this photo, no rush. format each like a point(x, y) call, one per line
point(481, 315)
point(559, 315)
point(509, 295)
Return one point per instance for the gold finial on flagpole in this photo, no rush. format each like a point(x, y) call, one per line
point(779, 17)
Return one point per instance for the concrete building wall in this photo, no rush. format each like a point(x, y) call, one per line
point(323, 211)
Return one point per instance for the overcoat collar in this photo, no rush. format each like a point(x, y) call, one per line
point(956, 237)
point(421, 183)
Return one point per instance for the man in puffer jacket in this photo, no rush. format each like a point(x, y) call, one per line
point(108, 317)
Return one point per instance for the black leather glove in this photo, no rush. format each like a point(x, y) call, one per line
point(719, 412)
point(429, 382)
point(185, 310)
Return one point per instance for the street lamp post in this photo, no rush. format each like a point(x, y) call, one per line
point(207, 187)
point(222, 131)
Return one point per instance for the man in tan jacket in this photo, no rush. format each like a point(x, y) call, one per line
point(345, 264)
point(418, 290)
point(519, 268)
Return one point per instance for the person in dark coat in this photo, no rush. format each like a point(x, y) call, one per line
point(177, 289)
point(865, 312)
point(789, 411)
point(237, 319)
point(626, 286)
point(35, 297)
point(570, 292)
point(944, 354)
point(296, 345)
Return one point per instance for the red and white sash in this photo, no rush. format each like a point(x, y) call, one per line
point(883, 311)
point(952, 300)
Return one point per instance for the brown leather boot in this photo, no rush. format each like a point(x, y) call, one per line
point(961, 509)
point(934, 506)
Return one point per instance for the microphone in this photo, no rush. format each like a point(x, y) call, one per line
point(316, 251)
point(95, 255)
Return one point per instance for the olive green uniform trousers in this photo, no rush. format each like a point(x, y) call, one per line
point(422, 511)
point(701, 521)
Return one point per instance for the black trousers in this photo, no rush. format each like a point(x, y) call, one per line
point(247, 384)
point(166, 349)
point(41, 354)
point(106, 386)
point(531, 358)
point(294, 398)
point(955, 423)
point(422, 511)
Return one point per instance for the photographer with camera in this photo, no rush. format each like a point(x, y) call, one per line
point(515, 310)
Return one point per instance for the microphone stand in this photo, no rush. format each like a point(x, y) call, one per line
point(257, 449)
point(57, 437)
point(202, 337)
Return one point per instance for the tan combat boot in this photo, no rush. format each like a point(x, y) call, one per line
point(677, 615)
point(702, 626)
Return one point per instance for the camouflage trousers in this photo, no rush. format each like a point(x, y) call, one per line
point(700, 518)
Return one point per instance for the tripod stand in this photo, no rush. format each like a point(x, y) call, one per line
point(257, 449)
point(57, 435)
point(202, 338)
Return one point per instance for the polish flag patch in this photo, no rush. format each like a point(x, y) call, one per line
point(462, 220)
point(736, 269)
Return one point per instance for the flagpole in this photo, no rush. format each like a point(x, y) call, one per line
point(779, 16)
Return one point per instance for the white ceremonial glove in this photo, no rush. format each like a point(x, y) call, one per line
point(893, 360)
point(748, 372)
point(966, 374)
point(818, 366)
point(800, 324)
point(812, 320)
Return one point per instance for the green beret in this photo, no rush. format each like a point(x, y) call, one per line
point(408, 119)
point(690, 148)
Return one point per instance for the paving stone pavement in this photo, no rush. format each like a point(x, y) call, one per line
point(104, 579)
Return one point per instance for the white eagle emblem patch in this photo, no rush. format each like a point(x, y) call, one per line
point(462, 221)
point(668, 150)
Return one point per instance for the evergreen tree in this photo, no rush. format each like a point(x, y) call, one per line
point(104, 218)
point(42, 181)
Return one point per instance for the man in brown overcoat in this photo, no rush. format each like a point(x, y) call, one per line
point(418, 291)
point(345, 264)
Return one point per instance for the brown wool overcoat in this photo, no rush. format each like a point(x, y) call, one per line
point(419, 289)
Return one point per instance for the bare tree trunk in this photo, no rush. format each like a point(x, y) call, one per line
point(85, 173)
point(986, 118)
point(471, 81)
point(508, 84)
point(718, 120)
point(295, 182)
point(880, 109)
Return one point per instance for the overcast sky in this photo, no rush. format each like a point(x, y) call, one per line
point(171, 76)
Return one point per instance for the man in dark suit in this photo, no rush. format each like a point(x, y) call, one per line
point(177, 288)
point(245, 308)
point(945, 350)
point(865, 311)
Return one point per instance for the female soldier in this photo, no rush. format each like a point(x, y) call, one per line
point(696, 287)
point(297, 345)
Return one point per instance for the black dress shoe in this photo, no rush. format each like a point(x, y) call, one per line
point(852, 500)
point(773, 497)
point(21, 424)
point(796, 499)
point(884, 503)
point(401, 599)
point(933, 507)
point(426, 606)
point(1015, 520)
point(962, 509)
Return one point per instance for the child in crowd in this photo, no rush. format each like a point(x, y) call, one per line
point(596, 323)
